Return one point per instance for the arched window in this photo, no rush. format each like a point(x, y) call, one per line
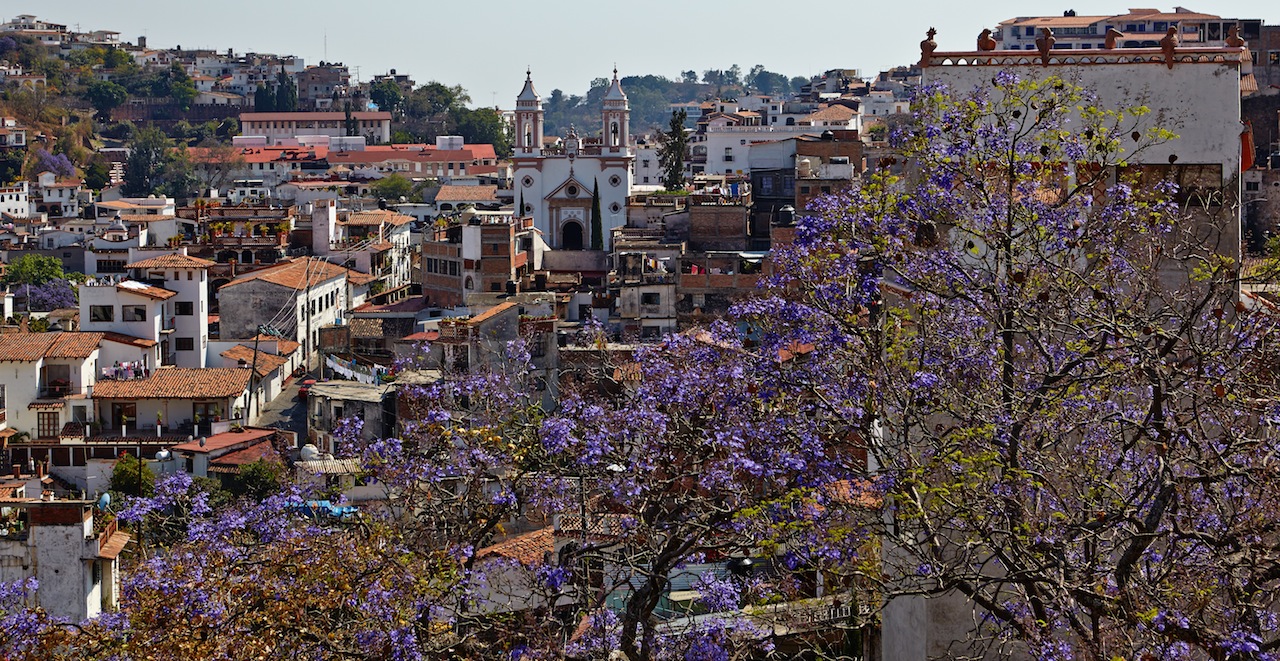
point(571, 236)
point(469, 283)
point(791, 121)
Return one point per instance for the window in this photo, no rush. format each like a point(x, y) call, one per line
point(1251, 185)
point(47, 424)
point(1273, 57)
point(110, 266)
point(184, 308)
point(650, 298)
point(133, 313)
point(102, 313)
point(766, 185)
point(185, 344)
point(495, 286)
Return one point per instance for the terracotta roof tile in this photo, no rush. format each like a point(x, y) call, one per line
point(135, 287)
point(286, 346)
point(225, 439)
point(256, 452)
point(175, 260)
point(74, 345)
point(178, 383)
point(451, 193)
point(531, 548)
point(121, 338)
point(377, 217)
point(266, 362)
point(311, 116)
point(293, 275)
point(25, 347)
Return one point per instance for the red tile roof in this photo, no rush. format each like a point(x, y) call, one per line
point(311, 116)
point(175, 260)
point(30, 347)
point(256, 452)
point(225, 439)
point(178, 383)
point(293, 275)
point(74, 345)
point(134, 287)
point(266, 362)
point(450, 193)
point(121, 338)
point(286, 346)
point(531, 548)
point(376, 217)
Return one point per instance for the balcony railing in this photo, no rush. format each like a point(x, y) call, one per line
point(247, 241)
point(58, 390)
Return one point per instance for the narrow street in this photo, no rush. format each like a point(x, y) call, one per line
point(286, 411)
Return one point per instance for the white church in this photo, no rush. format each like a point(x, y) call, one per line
point(555, 186)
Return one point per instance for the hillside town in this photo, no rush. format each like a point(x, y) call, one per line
point(720, 379)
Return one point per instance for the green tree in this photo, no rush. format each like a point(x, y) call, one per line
point(263, 99)
point(484, 126)
point(259, 479)
point(144, 169)
point(349, 124)
point(116, 58)
point(181, 89)
point(393, 187)
point(178, 176)
point(11, 161)
point(689, 76)
point(105, 96)
point(597, 224)
point(32, 269)
point(125, 477)
point(387, 95)
point(96, 175)
point(286, 93)
point(671, 151)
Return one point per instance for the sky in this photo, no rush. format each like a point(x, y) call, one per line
point(486, 46)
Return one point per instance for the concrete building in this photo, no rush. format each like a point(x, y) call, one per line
point(296, 298)
point(1139, 28)
point(14, 200)
point(374, 243)
point(134, 309)
point(53, 541)
point(480, 251)
point(279, 127)
point(188, 278)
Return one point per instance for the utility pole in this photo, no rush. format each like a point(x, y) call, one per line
point(306, 341)
point(253, 376)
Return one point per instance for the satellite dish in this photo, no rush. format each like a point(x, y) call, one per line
point(104, 500)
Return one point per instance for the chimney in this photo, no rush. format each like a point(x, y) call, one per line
point(40, 469)
point(17, 471)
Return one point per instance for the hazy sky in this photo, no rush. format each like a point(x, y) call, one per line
point(485, 46)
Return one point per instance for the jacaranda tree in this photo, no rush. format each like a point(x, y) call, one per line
point(1022, 370)
point(1064, 392)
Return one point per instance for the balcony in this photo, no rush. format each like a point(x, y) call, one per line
point(168, 324)
point(57, 390)
point(248, 241)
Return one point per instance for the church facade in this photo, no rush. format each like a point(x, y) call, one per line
point(556, 186)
